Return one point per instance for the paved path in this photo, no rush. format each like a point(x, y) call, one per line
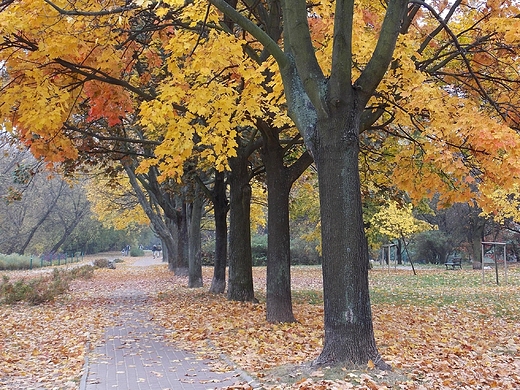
point(135, 356)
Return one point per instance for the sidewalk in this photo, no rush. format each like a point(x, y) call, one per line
point(134, 355)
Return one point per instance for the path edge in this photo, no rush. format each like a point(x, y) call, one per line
point(84, 376)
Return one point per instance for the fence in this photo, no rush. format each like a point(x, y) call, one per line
point(52, 258)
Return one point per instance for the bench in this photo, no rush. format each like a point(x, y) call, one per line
point(453, 263)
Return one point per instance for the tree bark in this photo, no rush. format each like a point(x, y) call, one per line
point(240, 286)
point(279, 182)
point(327, 111)
point(220, 210)
point(278, 298)
point(179, 263)
point(195, 258)
point(349, 334)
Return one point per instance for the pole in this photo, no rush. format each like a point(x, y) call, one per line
point(505, 265)
point(482, 261)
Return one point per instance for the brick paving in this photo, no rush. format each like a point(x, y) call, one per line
point(135, 355)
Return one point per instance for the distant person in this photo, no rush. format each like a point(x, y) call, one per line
point(126, 250)
point(155, 251)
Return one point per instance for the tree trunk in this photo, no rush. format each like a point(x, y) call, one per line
point(278, 299)
point(240, 259)
point(279, 181)
point(220, 209)
point(173, 249)
point(179, 263)
point(349, 334)
point(161, 225)
point(476, 244)
point(195, 258)
point(399, 252)
point(43, 218)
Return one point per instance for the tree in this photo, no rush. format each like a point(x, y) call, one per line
point(331, 108)
point(280, 179)
point(396, 222)
point(328, 112)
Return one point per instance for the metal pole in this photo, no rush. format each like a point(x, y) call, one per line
point(482, 262)
point(505, 265)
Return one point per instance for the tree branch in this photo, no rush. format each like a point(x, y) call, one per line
point(270, 45)
point(112, 11)
point(340, 81)
point(382, 56)
point(298, 43)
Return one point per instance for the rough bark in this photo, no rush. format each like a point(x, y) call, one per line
point(240, 286)
point(278, 298)
point(349, 334)
point(195, 258)
point(279, 181)
point(220, 210)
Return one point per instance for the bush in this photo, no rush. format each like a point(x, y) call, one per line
point(34, 291)
point(43, 289)
point(101, 263)
point(16, 262)
point(136, 252)
point(259, 250)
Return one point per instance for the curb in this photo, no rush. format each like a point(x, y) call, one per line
point(84, 376)
point(251, 380)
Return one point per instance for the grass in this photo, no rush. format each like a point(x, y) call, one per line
point(442, 288)
point(20, 262)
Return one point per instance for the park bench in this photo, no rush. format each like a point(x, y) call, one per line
point(453, 263)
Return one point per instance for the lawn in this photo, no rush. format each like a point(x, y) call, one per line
point(440, 329)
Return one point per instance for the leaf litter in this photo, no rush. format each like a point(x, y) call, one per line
point(457, 333)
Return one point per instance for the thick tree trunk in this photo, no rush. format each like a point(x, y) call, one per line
point(349, 334)
point(279, 181)
point(278, 300)
point(179, 265)
point(240, 259)
point(220, 209)
point(195, 258)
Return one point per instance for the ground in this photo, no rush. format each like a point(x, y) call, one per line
point(440, 329)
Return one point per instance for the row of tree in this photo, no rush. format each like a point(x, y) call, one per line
point(186, 99)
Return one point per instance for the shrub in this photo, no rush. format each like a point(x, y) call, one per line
point(43, 289)
point(16, 261)
point(259, 250)
point(101, 263)
point(136, 252)
point(35, 291)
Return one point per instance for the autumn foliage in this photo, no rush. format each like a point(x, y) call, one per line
point(440, 330)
